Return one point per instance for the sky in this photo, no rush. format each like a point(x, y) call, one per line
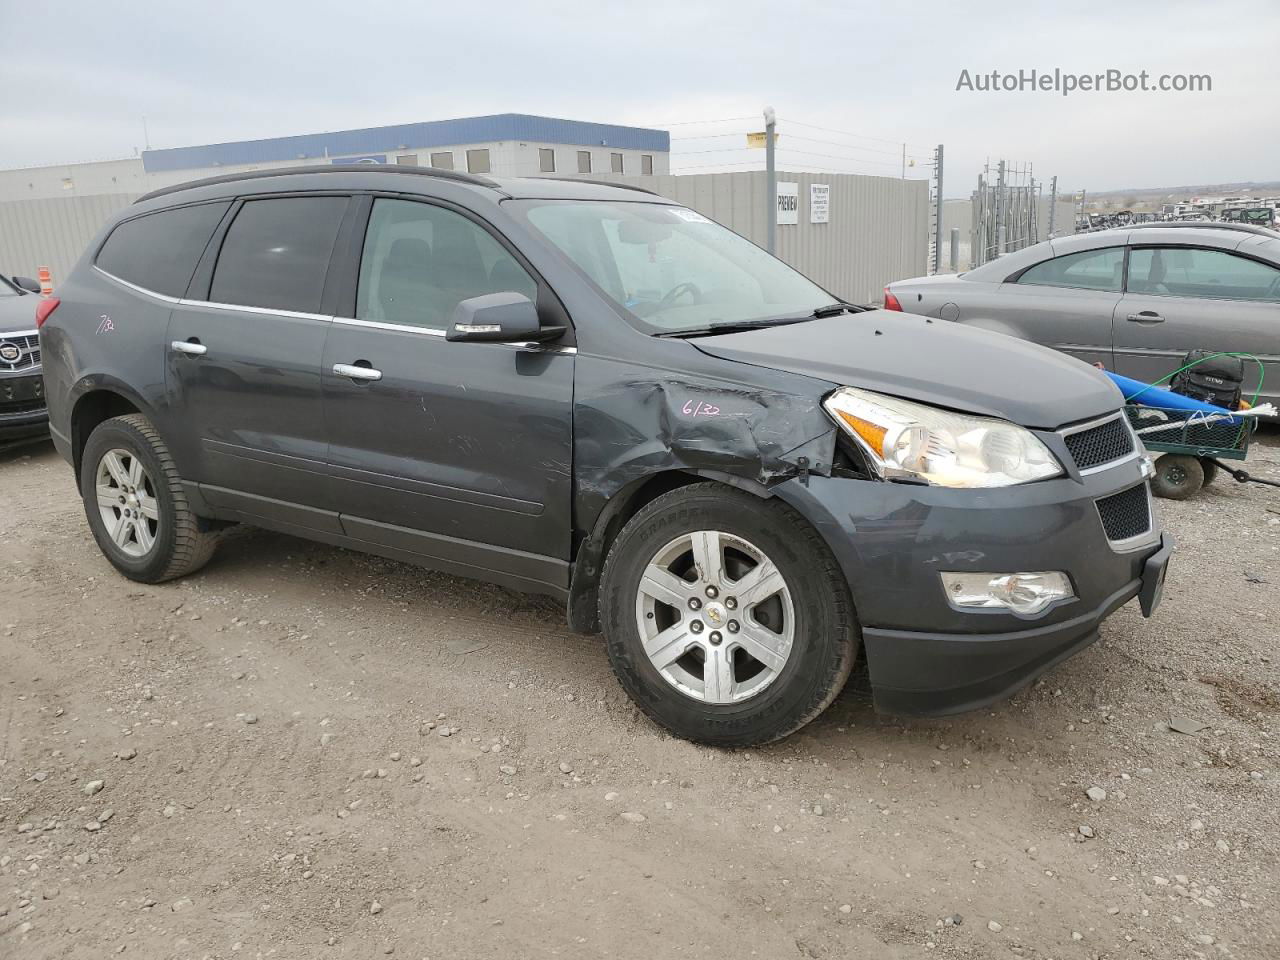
point(851, 82)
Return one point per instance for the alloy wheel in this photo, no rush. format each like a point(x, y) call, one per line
point(715, 616)
point(127, 503)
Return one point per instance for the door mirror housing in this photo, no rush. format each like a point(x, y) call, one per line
point(27, 284)
point(508, 317)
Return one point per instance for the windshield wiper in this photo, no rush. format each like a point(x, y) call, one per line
point(835, 309)
point(718, 328)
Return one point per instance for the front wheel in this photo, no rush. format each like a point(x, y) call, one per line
point(1177, 476)
point(136, 506)
point(727, 619)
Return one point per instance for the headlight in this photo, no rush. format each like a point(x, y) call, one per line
point(949, 449)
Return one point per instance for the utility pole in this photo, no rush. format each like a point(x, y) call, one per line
point(146, 137)
point(1000, 205)
point(904, 161)
point(937, 219)
point(771, 182)
point(1053, 207)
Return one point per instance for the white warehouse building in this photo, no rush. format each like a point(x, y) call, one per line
point(503, 145)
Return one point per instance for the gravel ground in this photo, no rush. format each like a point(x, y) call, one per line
point(305, 752)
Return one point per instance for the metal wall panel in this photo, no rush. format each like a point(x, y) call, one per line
point(52, 232)
point(878, 230)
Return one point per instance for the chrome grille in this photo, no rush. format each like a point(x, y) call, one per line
point(27, 345)
point(1100, 444)
point(1127, 514)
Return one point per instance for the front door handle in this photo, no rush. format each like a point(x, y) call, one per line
point(1146, 316)
point(192, 347)
point(357, 371)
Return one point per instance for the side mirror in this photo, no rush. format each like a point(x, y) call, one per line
point(498, 318)
point(27, 284)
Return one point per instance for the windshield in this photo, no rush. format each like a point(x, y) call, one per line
point(672, 269)
point(8, 290)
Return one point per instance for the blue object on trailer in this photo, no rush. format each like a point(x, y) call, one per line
point(1148, 395)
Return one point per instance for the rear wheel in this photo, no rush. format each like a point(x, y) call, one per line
point(727, 619)
point(1210, 470)
point(1177, 476)
point(136, 506)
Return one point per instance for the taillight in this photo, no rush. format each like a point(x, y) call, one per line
point(891, 302)
point(44, 308)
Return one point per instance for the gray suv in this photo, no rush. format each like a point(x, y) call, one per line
point(591, 392)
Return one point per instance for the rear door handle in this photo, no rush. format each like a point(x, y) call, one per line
point(356, 371)
point(1146, 316)
point(192, 348)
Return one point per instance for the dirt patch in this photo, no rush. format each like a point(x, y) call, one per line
point(306, 752)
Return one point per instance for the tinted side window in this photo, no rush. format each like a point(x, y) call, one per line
point(1211, 274)
point(160, 251)
point(276, 253)
point(1088, 270)
point(420, 260)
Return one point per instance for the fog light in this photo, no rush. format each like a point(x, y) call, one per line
point(1024, 593)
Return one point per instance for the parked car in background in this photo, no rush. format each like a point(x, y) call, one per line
point(22, 407)
point(591, 392)
point(1135, 299)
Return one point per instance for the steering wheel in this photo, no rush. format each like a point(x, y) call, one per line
point(679, 290)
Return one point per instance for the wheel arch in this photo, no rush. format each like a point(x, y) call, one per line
point(97, 401)
point(583, 607)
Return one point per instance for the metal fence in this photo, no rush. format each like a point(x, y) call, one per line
point(877, 228)
point(52, 232)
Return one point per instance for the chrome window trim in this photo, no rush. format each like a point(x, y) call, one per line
point(137, 289)
point(296, 314)
point(439, 334)
point(1091, 424)
point(238, 307)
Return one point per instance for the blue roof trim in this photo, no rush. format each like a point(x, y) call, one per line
point(436, 133)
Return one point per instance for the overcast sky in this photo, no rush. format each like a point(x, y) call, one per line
point(78, 78)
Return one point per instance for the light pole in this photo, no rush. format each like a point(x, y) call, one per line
point(771, 182)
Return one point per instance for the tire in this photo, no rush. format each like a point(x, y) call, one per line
point(172, 543)
point(1210, 469)
point(755, 700)
point(1177, 476)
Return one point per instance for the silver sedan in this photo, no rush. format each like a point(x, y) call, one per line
point(1135, 298)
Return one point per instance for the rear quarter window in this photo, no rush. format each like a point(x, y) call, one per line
point(276, 253)
point(1087, 270)
point(159, 251)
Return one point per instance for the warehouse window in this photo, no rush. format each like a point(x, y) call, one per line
point(478, 161)
point(615, 162)
point(442, 161)
point(407, 160)
point(646, 164)
point(276, 253)
point(546, 160)
point(160, 251)
point(584, 161)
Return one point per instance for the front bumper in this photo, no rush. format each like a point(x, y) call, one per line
point(22, 408)
point(893, 540)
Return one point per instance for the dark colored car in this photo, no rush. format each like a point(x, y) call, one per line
point(590, 392)
point(22, 408)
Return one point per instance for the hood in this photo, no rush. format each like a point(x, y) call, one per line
point(18, 313)
point(931, 361)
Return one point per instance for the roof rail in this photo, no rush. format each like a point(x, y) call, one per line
point(600, 183)
point(456, 175)
point(1203, 225)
